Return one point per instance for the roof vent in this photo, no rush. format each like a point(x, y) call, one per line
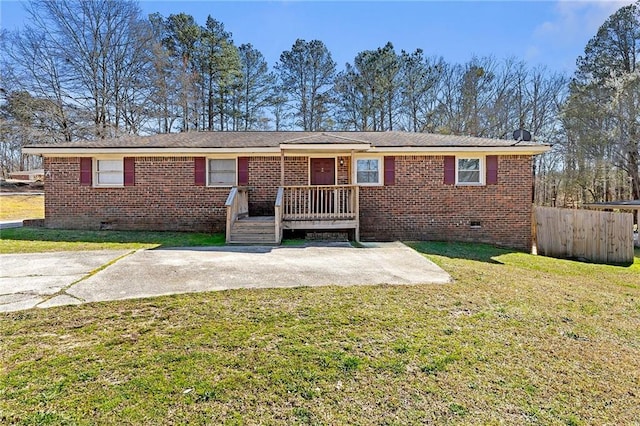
point(522, 135)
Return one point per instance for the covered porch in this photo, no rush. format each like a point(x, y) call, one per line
point(317, 194)
point(302, 207)
point(317, 207)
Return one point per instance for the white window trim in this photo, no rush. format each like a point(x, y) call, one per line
point(235, 181)
point(95, 180)
point(481, 171)
point(380, 171)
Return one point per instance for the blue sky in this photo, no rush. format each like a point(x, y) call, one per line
point(547, 33)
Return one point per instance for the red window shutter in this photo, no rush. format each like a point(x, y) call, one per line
point(200, 171)
point(86, 171)
point(129, 171)
point(243, 170)
point(492, 169)
point(449, 170)
point(389, 170)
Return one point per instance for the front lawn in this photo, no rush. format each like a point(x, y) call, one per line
point(516, 339)
point(32, 240)
point(18, 207)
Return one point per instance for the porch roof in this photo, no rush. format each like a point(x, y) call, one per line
point(260, 141)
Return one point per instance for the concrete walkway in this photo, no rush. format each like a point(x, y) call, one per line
point(147, 273)
point(6, 224)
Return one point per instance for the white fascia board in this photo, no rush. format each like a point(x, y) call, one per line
point(444, 150)
point(152, 152)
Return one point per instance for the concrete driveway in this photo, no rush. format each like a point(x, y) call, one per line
point(53, 279)
point(6, 224)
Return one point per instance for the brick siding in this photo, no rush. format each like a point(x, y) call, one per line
point(418, 207)
point(164, 198)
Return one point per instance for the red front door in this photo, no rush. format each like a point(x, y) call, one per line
point(323, 171)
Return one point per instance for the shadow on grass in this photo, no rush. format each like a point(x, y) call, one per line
point(162, 239)
point(469, 251)
point(487, 253)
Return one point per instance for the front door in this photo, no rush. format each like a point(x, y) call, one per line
point(323, 171)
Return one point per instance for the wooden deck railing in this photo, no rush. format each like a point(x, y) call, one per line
point(335, 202)
point(237, 206)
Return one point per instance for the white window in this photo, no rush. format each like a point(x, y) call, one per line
point(368, 171)
point(469, 171)
point(109, 173)
point(222, 172)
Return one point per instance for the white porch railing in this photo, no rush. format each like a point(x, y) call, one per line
point(335, 202)
point(237, 206)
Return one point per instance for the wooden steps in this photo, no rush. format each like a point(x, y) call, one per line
point(254, 230)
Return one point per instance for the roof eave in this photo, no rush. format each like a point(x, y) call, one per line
point(50, 151)
point(506, 150)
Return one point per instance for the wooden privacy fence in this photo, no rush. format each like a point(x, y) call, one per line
point(597, 236)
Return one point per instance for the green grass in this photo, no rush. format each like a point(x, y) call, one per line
point(16, 207)
point(293, 242)
point(28, 240)
point(516, 339)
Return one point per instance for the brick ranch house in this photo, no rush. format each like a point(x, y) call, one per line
point(255, 185)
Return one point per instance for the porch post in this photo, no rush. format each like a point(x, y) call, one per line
point(281, 167)
point(357, 210)
point(356, 194)
point(352, 180)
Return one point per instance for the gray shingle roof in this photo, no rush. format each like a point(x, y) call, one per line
point(275, 139)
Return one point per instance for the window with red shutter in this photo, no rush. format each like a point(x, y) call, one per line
point(200, 171)
point(243, 170)
point(368, 171)
point(390, 170)
point(449, 170)
point(108, 172)
point(492, 169)
point(129, 171)
point(86, 171)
